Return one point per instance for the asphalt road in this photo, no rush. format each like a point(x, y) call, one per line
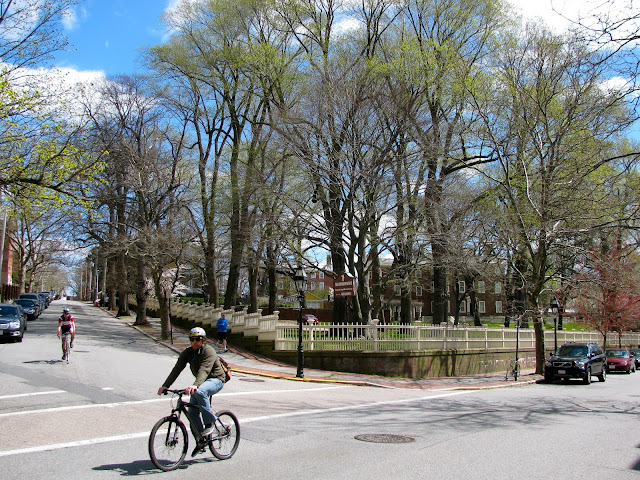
point(91, 419)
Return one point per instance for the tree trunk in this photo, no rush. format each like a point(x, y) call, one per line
point(141, 296)
point(253, 288)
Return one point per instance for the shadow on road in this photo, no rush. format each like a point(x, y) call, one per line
point(145, 467)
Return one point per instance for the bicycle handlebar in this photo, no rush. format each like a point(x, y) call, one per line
point(177, 392)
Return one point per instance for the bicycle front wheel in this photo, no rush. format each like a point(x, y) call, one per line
point(516, 372)
point(224, 441)
point(168, 443)
point(66, 348)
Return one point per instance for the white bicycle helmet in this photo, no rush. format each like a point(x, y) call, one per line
point(197, 332)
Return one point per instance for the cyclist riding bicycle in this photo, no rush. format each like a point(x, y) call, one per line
point(66, 324)
point(209, 380)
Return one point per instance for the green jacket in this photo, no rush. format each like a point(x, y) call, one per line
point(204, 365)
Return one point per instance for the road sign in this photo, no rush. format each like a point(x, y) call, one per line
point(345, 286)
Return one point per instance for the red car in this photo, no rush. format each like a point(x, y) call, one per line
point(310, 319)
point(620, 360)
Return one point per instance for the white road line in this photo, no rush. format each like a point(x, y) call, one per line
point(153, 400)
point(79, 443)
point(18, 395)
point(355, 407)
point(128, 436)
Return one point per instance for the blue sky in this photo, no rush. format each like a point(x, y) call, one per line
point(107, 35)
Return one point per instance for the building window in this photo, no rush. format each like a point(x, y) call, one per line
point(463, 306)
point(498, 306)
point(280, 284)
point(431, 307)
point(397, 290)
point(498, 287)
point(321, 286)
point(313, 285)
point(480, 286)
point(321, 275)
point(481, 307)
point(462, 286)
point(418, 291)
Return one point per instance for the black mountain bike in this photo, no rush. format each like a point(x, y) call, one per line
point(169, 441)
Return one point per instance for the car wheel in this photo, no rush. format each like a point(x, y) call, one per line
point(548, 379)
point(603, 375)
point(19, 339)
point(587, 376)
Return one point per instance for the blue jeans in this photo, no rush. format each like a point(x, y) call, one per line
point(201, 398)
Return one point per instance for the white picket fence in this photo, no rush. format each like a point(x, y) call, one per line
point(375, 338)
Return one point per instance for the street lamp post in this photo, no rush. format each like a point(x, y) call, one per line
point(555, 308)
point(300, 280)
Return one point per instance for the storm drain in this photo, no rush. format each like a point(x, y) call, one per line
point(251, 379)
point(384, 438)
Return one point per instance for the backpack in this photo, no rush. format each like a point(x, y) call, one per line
point(226, 369)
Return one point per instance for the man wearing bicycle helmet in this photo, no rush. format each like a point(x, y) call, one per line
point(66, 324)
point(209, 380)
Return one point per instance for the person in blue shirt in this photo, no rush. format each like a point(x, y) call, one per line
point(222, 325)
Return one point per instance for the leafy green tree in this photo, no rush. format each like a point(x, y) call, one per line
point(551, 126)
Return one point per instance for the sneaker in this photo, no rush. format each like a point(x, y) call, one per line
point(225, 350)
point(199, 449)
point(208, 430)
point(64, 357)
point(71, 344)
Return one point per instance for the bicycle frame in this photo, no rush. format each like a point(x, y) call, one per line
point(181, 408)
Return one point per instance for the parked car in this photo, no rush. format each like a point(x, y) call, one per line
point(47, 296)
point(29, 306)
point(620, 360)
point(12, 322)
point(43, 297)
point(576, 360)
point(636, 355)
point(36, 298)
point(310, 319)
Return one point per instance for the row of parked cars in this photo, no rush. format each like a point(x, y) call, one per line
point(585, 360)
point(14, 316)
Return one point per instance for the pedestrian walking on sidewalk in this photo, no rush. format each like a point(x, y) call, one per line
point(223, 325)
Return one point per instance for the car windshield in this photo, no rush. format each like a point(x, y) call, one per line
point(572, 351)
point(618, 353)
point(24, 303)
point(6, 311)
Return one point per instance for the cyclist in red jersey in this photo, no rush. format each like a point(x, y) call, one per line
point(66, 323)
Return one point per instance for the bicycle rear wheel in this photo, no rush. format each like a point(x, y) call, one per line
point(224, 442)
point(168, 443)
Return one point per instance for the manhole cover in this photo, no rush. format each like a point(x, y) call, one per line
point(384, 438)
point(251, 379)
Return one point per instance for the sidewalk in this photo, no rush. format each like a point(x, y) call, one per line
point(244, 362)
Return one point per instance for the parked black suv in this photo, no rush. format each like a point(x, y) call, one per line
point(576, 360)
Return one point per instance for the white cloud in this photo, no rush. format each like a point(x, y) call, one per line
point(73, 17)
point(555, 13)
